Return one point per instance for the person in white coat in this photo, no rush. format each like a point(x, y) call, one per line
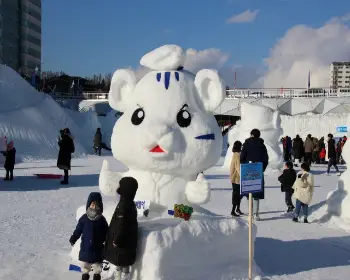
point(303, 191)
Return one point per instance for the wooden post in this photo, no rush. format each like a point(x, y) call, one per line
point(250, 220)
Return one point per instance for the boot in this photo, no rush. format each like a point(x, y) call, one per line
point(11, 175)
point(290, 209)
point(234, 214)
point(97, 277)
point(7, 176)
point(306, 221)
point(239, 212)
point(126, 276)
point(65, 179)
point(295, 219)
point(85, 276)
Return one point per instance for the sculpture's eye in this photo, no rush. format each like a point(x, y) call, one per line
point(183, 118)
point(138, 116)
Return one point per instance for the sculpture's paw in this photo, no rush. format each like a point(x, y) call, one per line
point(108, 180)
point(198, 192)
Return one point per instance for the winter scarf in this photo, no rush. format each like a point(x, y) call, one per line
point(93, 214)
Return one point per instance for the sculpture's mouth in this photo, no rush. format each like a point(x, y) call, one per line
point(157, 149)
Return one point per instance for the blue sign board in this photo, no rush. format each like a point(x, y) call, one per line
point(251, 178)
point(342, 128)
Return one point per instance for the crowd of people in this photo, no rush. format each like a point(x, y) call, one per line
point(313, 150)
point(301, 184)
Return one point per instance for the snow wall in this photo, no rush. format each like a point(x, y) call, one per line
point(33, 119)
point(316, 125)
point(338, 201)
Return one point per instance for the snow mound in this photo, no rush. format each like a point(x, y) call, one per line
point(33, 119)
point(269, 124)
point(338, 201)
point(206, 247)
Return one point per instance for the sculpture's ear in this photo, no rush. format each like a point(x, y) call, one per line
point(211, 89)
point(122, 86)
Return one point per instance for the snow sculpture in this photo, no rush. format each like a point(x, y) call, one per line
point(166, 136)
point(338, 201)
point(168, 133)
point(269, 124)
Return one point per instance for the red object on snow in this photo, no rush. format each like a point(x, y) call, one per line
point(48, 176)
point(157, 149)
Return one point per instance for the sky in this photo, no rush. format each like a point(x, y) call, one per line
point(267, 43)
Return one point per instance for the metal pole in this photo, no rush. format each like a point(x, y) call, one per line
point(250, 219)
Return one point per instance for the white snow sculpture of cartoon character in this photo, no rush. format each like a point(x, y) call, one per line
point(168, 133)
point(268, 122)
point(166, 136)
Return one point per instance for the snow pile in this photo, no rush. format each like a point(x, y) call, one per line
point(316, 125)
point(338, 201)
point(269, 124)
point(33, 119)
point(206, 247)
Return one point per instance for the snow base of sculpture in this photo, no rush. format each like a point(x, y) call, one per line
point(206, 247)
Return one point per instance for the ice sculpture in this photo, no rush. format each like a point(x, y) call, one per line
point(269, 124)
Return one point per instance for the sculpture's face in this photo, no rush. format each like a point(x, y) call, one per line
point(167, 125)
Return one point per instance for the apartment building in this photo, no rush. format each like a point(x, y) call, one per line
point(20, 34)
point(339, 75)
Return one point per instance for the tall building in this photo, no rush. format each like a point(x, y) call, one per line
point(20, 34)
point(339, 75)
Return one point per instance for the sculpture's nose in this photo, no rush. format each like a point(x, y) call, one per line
point(162, 136)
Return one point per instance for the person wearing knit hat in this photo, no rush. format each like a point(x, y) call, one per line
point(9, 165)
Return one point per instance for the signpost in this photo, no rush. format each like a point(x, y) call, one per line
point(343, 128)
point(251, 175)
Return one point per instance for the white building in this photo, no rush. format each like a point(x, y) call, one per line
point(339, 75)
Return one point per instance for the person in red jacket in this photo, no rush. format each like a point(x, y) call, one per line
point(323, 155)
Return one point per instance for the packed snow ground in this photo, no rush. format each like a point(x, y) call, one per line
point(37, 218)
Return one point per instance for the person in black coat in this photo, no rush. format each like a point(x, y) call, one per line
point(67, 148)
point(287, 180)
point(254, 150)
point(121, 242)
point(298, 148)
point(332, 154)
point(93, 228)
point(98, 141)
point(10, 160)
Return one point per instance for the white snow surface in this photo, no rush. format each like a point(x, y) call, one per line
point(38, 217)
point(269, 124)
point(33, 119)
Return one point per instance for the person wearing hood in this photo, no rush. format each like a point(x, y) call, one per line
point(121, 242)
point(93, 228)
point(66, 145)
point(254, 150)
point(10, 160)
point(98, 142)
point(298, 148)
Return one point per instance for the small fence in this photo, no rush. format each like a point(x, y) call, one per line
point(233, 93)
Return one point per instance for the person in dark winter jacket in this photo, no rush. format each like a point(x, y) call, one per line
point(287, 180)
point(332, 154)
point(67, 148)
point(254, 150)
point(98, 141)
point(309, 147)
point(298, 148)
point(287, 148)
point(121, 242)
point(10, 160)
point(93, 228)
